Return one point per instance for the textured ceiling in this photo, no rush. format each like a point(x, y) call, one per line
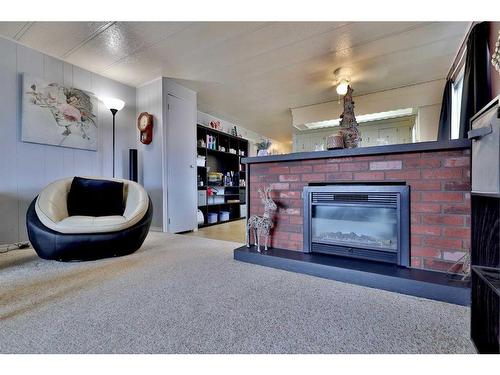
point(252, 73)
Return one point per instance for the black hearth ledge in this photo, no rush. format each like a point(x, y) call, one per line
point(454, 144)
point(432, 285)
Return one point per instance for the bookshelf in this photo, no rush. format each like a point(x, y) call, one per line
point(221, 179)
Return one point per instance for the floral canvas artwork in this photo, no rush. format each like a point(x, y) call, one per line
point(58, 115)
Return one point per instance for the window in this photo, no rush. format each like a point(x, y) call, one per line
point(456, 102)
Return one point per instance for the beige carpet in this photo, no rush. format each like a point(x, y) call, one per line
point(183, 294)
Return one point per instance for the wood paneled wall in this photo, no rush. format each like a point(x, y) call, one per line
point(150, 99)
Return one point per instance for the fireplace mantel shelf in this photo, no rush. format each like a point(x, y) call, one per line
point(361, 151)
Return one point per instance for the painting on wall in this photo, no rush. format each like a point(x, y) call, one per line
point(55, 114)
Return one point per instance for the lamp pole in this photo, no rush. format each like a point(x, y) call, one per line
point(114, 105)
point(113, 111)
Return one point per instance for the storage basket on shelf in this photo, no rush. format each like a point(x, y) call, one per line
point(212, 218)
point(224, 216)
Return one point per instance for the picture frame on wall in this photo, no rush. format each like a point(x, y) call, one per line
point(58, 115)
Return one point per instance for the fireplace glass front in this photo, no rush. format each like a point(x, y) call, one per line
point(360, 226)
point(369, 222)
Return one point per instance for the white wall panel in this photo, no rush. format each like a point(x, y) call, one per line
point(82, 79)
point(31, 156)
point(9, 230)
point(68, 153)
point(54, 156)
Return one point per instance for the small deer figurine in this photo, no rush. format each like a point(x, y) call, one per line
point(262, 225)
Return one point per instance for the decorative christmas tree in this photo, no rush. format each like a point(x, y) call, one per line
point(348, 124)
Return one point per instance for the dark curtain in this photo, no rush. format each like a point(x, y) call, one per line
point(444, 130)
point(476, 91)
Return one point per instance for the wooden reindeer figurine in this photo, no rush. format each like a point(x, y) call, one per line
point(262, 224)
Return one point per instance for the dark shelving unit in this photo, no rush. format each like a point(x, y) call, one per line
point(221, 161)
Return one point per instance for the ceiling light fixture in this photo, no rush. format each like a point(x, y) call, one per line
point(342, 87)
point(342, 80)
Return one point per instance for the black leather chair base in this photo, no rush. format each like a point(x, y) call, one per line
point(49, 244)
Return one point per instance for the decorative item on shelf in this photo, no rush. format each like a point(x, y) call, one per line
point(211, 142)
point(263, 146)
point(262, 225)
point(242, 182)
point(241, 152)
point(222, 148)
point(235, 177)
point(201, 143)
point(201, 161)
point(215, 178)
point(232, 151)
point(228, 180)
point(334, 142)
point(200, 181)
point(234, 131)
point(319, 147)
point(215, 124)
point(145, 126)
point(348, 124)
point(215, 196)
point(495, 56)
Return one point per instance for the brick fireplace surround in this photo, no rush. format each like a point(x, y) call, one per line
point(438, 174)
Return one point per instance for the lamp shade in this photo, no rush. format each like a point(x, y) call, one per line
point(113, 103)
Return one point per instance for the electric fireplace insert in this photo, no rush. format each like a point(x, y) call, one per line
point(359, 221)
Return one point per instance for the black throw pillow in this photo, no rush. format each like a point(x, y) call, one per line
point(88, 197)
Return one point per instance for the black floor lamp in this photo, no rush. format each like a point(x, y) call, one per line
point(114, 105)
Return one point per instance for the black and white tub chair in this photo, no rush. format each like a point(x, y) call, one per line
point(56, 235)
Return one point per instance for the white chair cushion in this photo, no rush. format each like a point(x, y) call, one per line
point(87, 224)
point(51, 209)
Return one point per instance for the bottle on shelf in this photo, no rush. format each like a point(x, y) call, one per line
point(227, 180)
point(211, 142)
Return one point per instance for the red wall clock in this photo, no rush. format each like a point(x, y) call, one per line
point(145, 126)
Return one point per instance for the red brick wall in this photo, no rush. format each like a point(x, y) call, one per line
point(440, 197)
